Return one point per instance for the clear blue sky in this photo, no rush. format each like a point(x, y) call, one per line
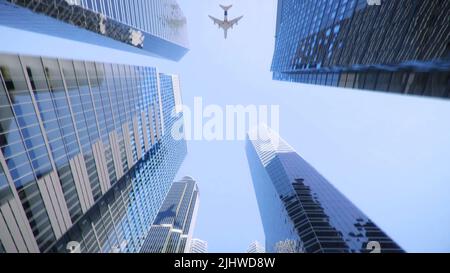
point(389, 154)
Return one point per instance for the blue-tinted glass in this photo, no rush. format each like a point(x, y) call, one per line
point(300, 210)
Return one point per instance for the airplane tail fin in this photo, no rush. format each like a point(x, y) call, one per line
point(226, 8)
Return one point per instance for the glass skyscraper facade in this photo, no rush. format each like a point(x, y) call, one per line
point(301, 211)
point(158, 27)
point(173, 227)
point(397, 47)
point(86, 153)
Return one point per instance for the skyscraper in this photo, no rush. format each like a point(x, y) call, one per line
point(397, 47)
point(300, 210)
point(256, 247)
point(86, 150)
point(173, 227)
point(157, 27)
point(198, 246)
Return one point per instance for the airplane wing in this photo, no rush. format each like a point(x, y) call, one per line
point(218, 22)
point(235, 21)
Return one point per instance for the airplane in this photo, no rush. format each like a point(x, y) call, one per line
point(225, 24)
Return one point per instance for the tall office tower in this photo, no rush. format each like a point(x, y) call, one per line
point(156, 27)
point(256, 247)
point(86, 153)
point(198, 246)
point(173, 227)
point(300, 210)
point(396, 47)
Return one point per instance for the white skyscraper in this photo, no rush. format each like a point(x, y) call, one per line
point(256, 247)
point(199, 246)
